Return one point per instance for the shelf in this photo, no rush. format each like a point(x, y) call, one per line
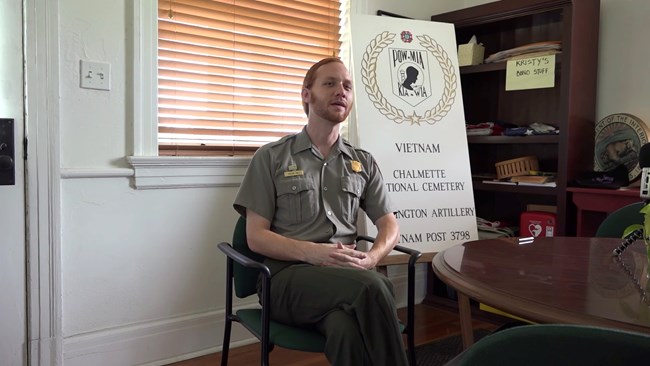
point(533, 139)
point(569, 105)
point(473, 69)
point(496, 66)
point(511, 188)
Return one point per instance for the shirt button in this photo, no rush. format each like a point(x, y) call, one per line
point(325, 188)
point(324, 164)
point(329, 213)
point(294, 188)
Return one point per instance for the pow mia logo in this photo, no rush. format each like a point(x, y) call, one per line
point(409, 78)
point(409, 72)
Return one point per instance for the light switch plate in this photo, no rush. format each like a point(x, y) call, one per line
point(95, 75)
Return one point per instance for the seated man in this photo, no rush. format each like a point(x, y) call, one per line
point(300, 197)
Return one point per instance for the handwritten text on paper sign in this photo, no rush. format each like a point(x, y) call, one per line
point(531, 73)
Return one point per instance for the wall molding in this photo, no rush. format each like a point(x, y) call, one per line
point(43, 257)
point(145, 77)
point(156, 172)
point(154, 343)
point(97, 173)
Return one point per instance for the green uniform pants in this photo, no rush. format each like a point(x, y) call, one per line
point(353, 308)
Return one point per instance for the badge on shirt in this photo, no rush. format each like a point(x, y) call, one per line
point(356, 166)
point(293, 171)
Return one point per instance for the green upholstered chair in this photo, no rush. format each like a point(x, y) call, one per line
point(557, 345)
point(616, 222)
point(242, 269)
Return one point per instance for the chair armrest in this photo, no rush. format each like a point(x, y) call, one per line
point(414, 255)
point(242, 259)
point(367, 238)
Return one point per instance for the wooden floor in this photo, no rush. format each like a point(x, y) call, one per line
point(430, 323)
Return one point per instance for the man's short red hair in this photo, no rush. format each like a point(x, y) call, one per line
point(311, 76)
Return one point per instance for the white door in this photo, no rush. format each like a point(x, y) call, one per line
point(13, 322)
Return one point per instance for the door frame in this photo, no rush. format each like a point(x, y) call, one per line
point(42, 183)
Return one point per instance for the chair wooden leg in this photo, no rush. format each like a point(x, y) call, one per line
point(465, 314)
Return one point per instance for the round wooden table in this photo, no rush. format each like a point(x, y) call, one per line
point(551, 280)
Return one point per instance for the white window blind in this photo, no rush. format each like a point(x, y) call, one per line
point(230, 71)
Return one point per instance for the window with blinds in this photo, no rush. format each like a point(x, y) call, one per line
point(230, 71)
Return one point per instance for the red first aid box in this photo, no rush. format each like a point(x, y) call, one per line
point(537, 224)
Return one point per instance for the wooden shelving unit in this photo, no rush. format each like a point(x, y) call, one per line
point(569, 105)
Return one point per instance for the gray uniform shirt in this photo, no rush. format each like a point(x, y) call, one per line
point(307, 197)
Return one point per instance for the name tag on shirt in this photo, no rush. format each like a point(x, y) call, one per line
point(294, 173)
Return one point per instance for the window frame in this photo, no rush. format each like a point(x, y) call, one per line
point(145, 77)
point(151, 170)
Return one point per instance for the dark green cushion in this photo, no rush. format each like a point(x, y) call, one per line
point(245, 278)
point(283, 335)
point(559, 345)
point(286, 336)
point(616, 222)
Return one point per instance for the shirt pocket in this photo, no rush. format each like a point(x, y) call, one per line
point(352, 187)
point(296, 201)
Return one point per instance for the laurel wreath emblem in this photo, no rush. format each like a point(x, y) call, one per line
point(369, 79)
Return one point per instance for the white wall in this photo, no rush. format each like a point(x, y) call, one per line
point(416, 9)
point(623, 81)
point(141, 278)
point(94, 124)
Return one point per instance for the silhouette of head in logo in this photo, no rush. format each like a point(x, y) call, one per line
point(411, 77)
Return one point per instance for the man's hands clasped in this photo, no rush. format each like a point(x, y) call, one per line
point(341, 255)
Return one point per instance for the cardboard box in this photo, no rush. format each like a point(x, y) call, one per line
point(470, 54)
point(543, 208)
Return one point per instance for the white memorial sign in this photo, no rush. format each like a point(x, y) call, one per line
point(409, 115)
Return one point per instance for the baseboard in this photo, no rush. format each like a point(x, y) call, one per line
point(153, 343)
point(45, 352)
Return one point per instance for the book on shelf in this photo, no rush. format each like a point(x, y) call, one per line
point(533, 179)
point(511, 183)
point(545, 184)
point(496, 181)
point(484, 175)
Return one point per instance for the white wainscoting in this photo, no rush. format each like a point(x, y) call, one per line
point(121, 293)
point(161, 342)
